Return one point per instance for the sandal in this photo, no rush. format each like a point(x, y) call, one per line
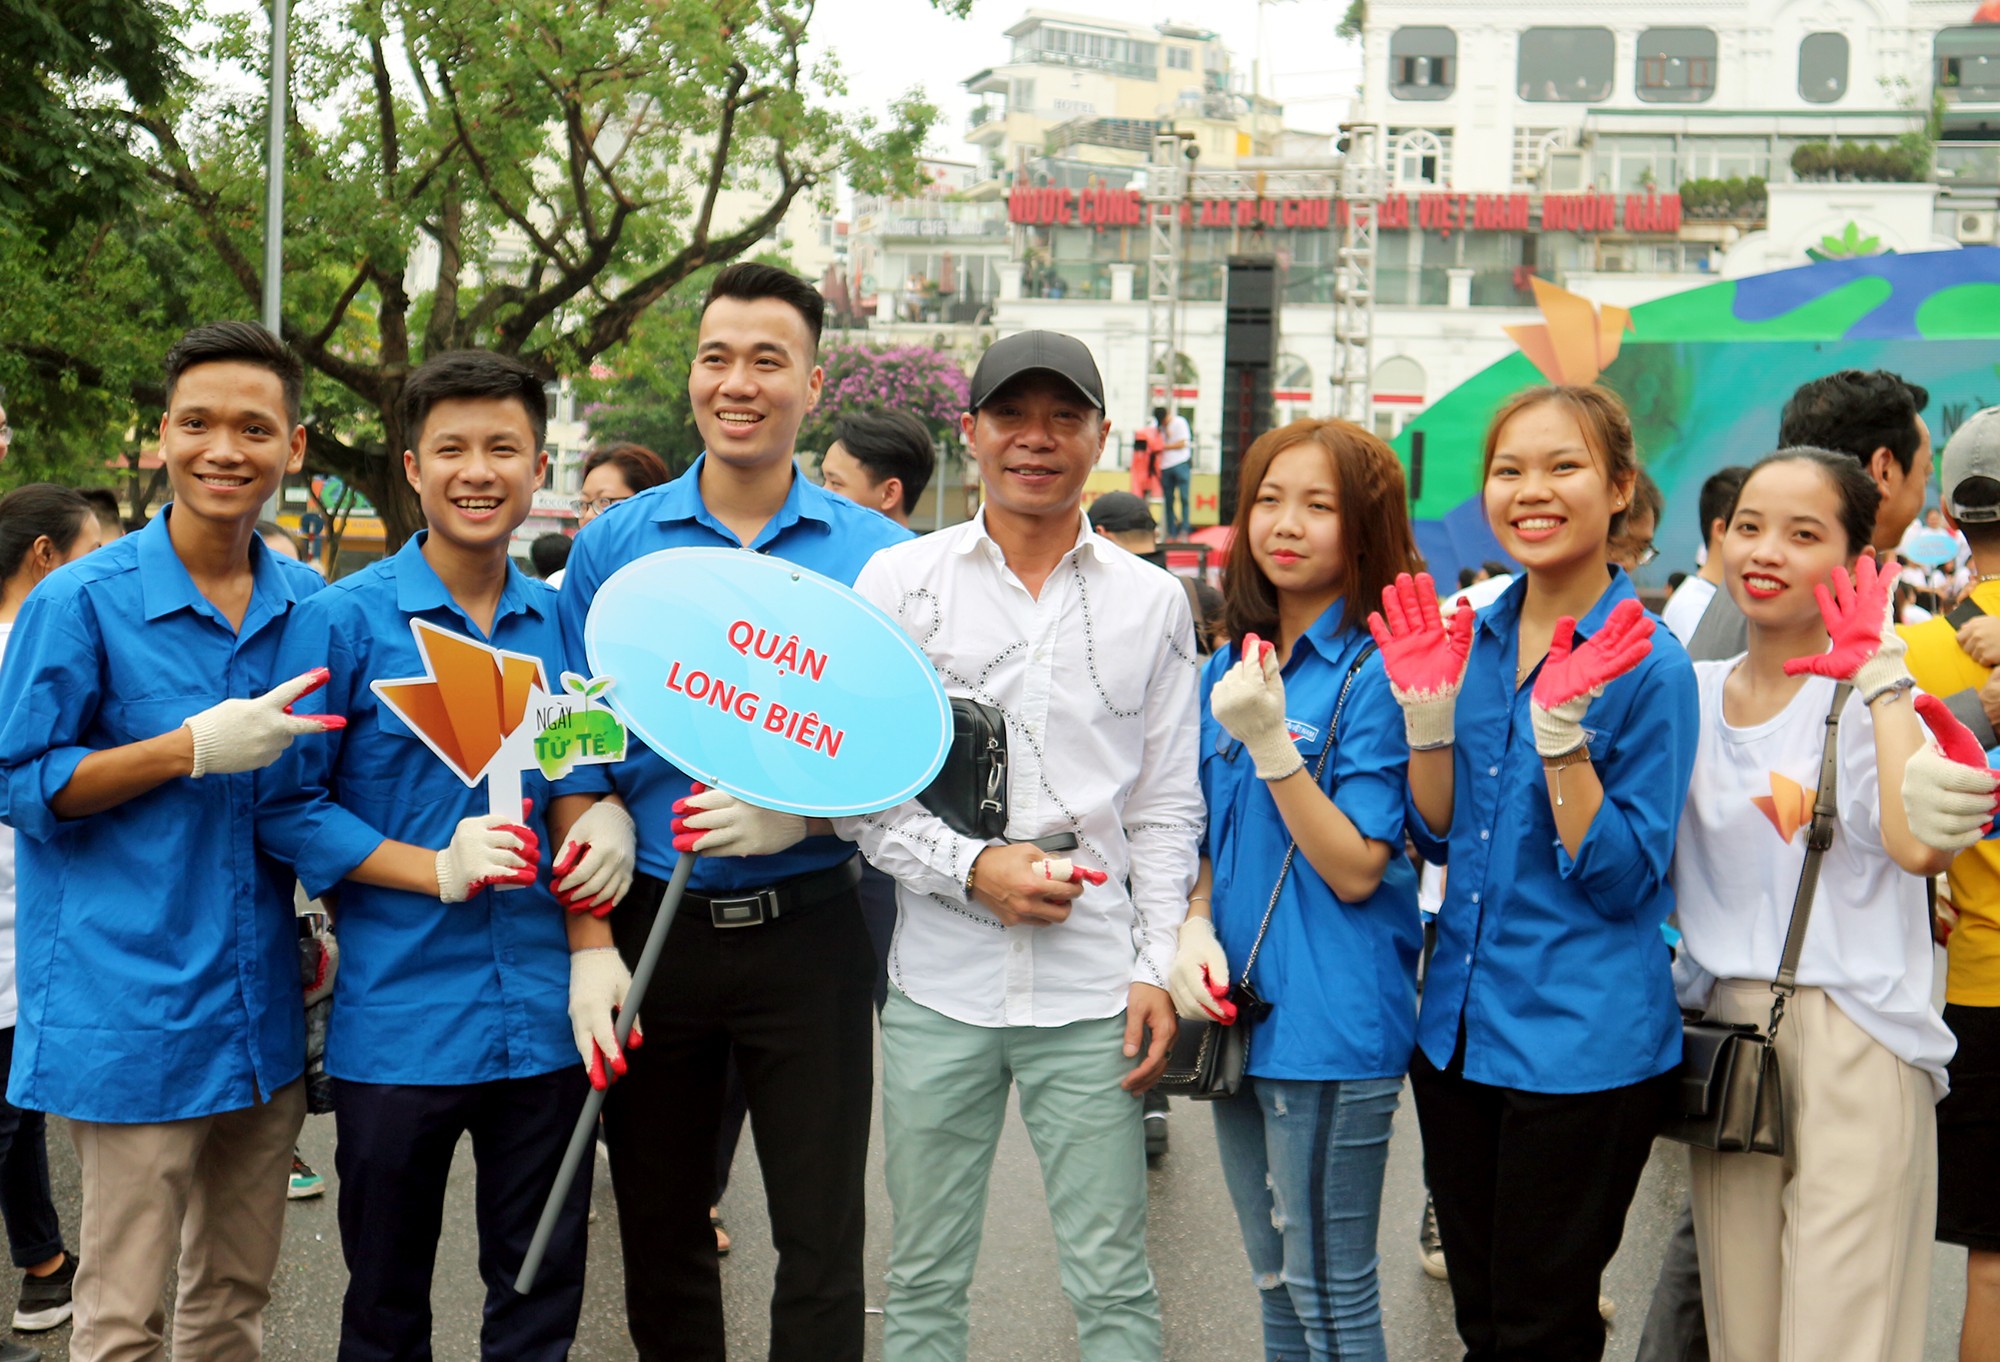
point(721, 1234)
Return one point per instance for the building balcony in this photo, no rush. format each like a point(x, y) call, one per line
point(1043, 56)
point(1961, 164)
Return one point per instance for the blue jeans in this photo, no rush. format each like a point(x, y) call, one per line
point(1175, 485)
point(1304, 1161)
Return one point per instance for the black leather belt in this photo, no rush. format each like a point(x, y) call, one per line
point(774, 901)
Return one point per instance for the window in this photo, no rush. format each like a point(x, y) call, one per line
point(1822, 67)
point(1423, 62)
point(1421, 158)
point(1532, 148)
point(1676, 65)
point(1020, 95)
point(1180, 59)
point(1629, 163)
point(1968, 62)
point(1566, 65)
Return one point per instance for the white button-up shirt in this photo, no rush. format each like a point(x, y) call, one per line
point(1097, 677)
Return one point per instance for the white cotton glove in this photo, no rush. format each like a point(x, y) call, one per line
point(1949, 793)
point(598, 981)
point(1199, 980)
point(248, 735)
point(1424, 657)
point(487, 850)
point(715, 823)
point(1249, 701)
point(595, 869)
point(1065, 871)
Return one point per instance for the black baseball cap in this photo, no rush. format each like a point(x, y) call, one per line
point(1036, 352)
point(1120, 511)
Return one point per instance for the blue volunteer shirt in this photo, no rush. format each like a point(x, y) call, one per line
point(428, 992)
point(815, 529)
point(1555, 966)
point(1342, 977)
point(157, 952)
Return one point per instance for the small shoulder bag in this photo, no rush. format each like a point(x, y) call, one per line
point(1731, 1096)
point(1209, 1059)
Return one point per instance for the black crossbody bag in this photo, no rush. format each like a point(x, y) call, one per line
point(1208, 1059)
point(1731, 1095)
point(970, 792)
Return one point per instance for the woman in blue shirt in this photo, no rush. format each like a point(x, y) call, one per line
point(1550, 790)
point(1319, 523)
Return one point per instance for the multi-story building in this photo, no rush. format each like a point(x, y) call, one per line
point(1597, 144)
point(1090, 89)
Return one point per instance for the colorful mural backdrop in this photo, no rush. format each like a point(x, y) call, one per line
point(1707, 372)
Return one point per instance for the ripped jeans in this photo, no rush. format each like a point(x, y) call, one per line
point(1304, 1161)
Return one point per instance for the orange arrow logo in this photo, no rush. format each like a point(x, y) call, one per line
point(471, 698)
point(1576, 340)
point(1789, 806)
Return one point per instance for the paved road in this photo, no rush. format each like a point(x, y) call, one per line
point(1018, 1310)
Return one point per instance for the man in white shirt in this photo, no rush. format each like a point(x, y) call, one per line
point(1691, 597)
point(1001, 975)
point(1176, 446)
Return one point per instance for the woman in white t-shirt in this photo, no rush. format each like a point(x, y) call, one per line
point(1821, 1254)
point(42, 526)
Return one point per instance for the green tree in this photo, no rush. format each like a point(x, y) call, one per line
point(64, 153)
point(531, 175)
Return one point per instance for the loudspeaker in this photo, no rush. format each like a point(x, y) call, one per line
point(1249, 352)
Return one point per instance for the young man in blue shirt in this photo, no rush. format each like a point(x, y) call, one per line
point(450, 1006)
point(790, 991)
point(160, 1007)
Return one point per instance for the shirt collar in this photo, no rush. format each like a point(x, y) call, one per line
point(680, 500)
point(976, 536)
point(1325, 634)
point(166, 586)
point(419, 588)
point(1503, 618)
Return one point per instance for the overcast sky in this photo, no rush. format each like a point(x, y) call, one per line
point(887, 46)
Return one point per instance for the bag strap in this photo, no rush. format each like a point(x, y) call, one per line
point(1964, 613)
point(1818, 838)
point(1291, 848)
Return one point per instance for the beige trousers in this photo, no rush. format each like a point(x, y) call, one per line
point(1823, 1254)
point(210, 1192)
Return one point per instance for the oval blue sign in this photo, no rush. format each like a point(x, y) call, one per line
point(774, 683)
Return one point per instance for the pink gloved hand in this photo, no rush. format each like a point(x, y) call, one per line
point(1950, 795)
point(716, 823)
point(595, 869)
point(1573, 676)
point(1865, 649)
point(1065, 871)
point(486, 851)
point(1424, 656)
point(1199, 979)
point(248, 735)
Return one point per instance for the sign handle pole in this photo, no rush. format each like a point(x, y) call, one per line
point(586, 1124)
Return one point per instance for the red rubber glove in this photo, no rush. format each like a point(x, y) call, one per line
point(486, 851)
point(1950, 794)
point(1424, 656)
point(1573, 676)
point(1865, 648)
point(1062, 868)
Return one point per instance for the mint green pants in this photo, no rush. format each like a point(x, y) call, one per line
point(944, 1098)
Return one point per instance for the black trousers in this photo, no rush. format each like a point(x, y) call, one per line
point(1531, 1192)
point(792, 999)
point(33, 1232)
point(393, 1151)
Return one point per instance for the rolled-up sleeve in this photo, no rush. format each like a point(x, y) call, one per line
point(1165, 814)
point(299, 820)
point(1371, 760)
point(49, 693)
point(1622, 862)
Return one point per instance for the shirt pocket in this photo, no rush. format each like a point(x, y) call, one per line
point(123, 721)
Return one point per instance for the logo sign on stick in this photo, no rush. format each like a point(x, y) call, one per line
point(487, 714)
point(769, 681)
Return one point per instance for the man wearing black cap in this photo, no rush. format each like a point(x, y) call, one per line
point(1012, 969)
point(1127, 521)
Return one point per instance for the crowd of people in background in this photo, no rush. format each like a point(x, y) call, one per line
point(1490, 844)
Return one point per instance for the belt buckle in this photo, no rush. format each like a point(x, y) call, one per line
point(750, 911)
